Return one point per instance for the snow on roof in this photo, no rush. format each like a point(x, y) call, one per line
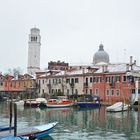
point(120, 67)
point(110, 68)
point(60, 73)
point(77, 72)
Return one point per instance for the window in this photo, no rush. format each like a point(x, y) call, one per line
point(90, 79)
point(31, 83)
point(72, 80)
point(18, 84)
point(99, 79)
point(118, 78)
point(76, 80)
point(124, 78)
point(59, 80)
point(96, 91)
point(67, 80)
point(86, 91)
point(107, 93)
point(112, 79)
point(42, 81)
point(117, 93)
point(107, 79)
point(76, 91)
point(72, 90)
point(90, 91)
point(112, 93)
point(86, 80)
point(94, 79)
point(68, 91)
point(42, 90)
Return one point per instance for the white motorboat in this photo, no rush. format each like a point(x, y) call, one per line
point(117, 107)
point(35, 102)
point(20, 103)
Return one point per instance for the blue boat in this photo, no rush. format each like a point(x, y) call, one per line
point(13, 138)
point(39, 131)
point(33, 132)
point(88, 104)
point(93, 101)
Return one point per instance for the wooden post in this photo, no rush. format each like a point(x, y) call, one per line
point(11, 115)
point(15, 119)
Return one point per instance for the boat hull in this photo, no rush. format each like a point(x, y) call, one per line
point(88, 104)
point(40, 131)
point(118, 107)
point(59, 105)
point(19, 103)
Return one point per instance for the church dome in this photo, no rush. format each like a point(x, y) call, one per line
point(101, 56)
point(35, 31)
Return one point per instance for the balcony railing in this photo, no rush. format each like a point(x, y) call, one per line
point(85, 85)
point(72, 85)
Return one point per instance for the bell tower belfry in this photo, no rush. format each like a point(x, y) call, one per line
point(34, 51)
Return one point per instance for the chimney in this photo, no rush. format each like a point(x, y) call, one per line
point(130, 60)
point(134, 62)
point(127, 67)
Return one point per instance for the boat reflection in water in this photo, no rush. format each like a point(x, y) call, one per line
point(48, 138)
point(79, 124)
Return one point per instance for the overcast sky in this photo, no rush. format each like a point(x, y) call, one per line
point(71, 30)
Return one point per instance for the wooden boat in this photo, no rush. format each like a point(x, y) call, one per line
point(39, 131)
point(35, 102)
point(34, 132)
point(59, 103)
point(117, 107)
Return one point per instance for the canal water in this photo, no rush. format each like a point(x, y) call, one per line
point(78, 124)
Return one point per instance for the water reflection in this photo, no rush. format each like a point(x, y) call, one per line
point(79, 124)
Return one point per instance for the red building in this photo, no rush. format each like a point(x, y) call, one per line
point(21, 85)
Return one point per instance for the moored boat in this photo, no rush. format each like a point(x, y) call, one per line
point(33, 132)
point(35, 102)
point(117, 107)
point(88, 104)
point(20, 103)
point(56, 103)
point(91, 101)
point(39, 131)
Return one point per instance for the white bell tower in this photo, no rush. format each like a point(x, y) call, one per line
point(34, 51)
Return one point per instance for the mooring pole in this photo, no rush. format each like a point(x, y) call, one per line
point(11, 114)
point(15, 119)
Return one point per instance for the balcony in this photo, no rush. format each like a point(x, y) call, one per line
point(72, 85)
point(86, 85)
point(112, 85)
